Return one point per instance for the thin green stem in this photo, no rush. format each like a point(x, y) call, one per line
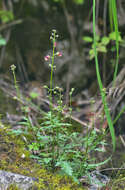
point(13, 67)
point(119, 114)
point(110, 15)
point(51, 74)
point(50, 95)
point(115, 20)
point(102, 90)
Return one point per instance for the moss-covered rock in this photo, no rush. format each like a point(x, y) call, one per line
point(13, 187)
point(15, 158)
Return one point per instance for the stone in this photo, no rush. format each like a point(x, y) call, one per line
point(21, 181)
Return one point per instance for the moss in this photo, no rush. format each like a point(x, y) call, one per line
point(11, 160)
point(13, 187)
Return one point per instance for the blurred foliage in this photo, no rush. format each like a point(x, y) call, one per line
point(2, 41)
point(6, 16)
point(102, 43)
point(73, 20)
point(80, 2)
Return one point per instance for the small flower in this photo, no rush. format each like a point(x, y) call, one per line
point(23, 156)
point(14, 97)
point(47, 57)
point(55, 44)
point(54, 31)
point(59, 89)
point(59, 54)
point(12, 67)
point(45, 86)
point(51, 38)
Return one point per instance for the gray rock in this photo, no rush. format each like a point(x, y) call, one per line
point(22, 182)
point(98, 180)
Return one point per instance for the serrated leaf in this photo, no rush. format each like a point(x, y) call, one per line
point(65, 167)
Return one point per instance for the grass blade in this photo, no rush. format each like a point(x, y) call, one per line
point(102, 91)
point(115, 21)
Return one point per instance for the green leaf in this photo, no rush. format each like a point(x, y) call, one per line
point(65, 167)
point(100, 163)
point(16, 132)
point(102, 49)
point(45, 154)
point(24, 123)
point(105, 40)
point(97, 38)
point(6, 16)
point(35, 157)
point(112, 36)
point(44, 139)
point(47, 160)
point(87, 39)
point(91, 54)
point(34, 146)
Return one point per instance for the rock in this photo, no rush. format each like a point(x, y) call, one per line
point(95, 180)
point(22, 182)
point(98, 180)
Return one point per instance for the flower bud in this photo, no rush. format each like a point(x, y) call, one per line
point(59, 54)
point(47, 57)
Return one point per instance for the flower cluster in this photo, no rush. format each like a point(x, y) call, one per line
point(53, 37)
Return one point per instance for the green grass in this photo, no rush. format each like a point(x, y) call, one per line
point(101, 88)
point(115, 27)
